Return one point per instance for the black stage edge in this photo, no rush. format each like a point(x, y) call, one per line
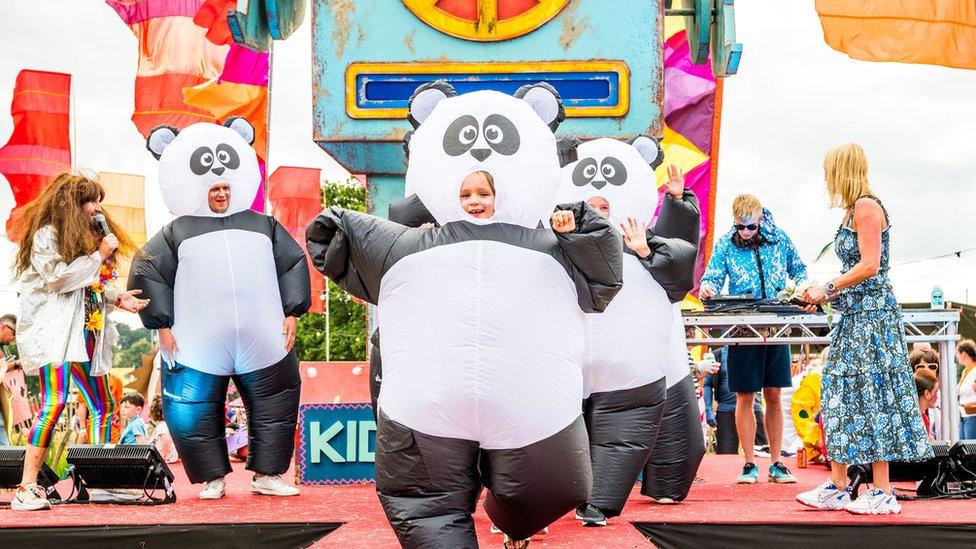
point(271, 535)
point(807, 536)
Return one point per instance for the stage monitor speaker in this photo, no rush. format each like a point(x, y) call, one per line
point(125, 466)
point(12, 469)
point(931, 473)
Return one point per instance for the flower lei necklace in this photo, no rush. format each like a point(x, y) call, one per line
point(107, 273)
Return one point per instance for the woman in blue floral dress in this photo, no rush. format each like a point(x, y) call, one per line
point(870, 408)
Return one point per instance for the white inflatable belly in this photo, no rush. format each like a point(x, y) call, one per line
point(228, 313)
point(628, 345)
point(481, 341)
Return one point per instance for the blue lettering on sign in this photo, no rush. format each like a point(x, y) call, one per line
point(337, 444)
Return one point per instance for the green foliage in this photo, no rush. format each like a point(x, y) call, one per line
point(347, 318)
point(133, 343)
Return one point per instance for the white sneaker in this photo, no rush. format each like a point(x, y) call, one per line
point(30, 498)
point(665, 501)
point(825, 497)
point(213, 490)
point(272, 485)
point(875, 502)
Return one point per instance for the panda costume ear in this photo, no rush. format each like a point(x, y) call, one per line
point(241, 126)
point(545, 101)
point(160, 138)
point(650, 149)
point(425, 98)
point(566, 147)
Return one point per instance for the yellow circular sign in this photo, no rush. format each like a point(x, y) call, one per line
point(485, 20)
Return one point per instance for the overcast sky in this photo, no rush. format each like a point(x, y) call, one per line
point(792, 100)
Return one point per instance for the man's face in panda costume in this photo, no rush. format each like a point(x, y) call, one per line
point(207, 169)
point(509, 138)
point(615, 178)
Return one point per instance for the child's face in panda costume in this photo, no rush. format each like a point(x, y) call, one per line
point(207, 169)
point(615, 178)
point(484, 157)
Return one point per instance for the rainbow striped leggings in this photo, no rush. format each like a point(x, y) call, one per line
point(54, 380)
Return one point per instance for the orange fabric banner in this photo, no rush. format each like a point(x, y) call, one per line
point(296, 198)
point(934, 32)
point(174, 54)
point(40, 146)
point(125, 201)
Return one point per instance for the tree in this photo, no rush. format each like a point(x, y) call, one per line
point(347, 317)
point(133, 343)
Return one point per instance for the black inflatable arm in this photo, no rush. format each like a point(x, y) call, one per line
point(410, 211)
point(153, 271)
point(351, 248)
point(674, 245)
point(594, 250)
point(680, 218)
point(294, 282)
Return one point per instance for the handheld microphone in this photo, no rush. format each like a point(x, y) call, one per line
point(103, 223)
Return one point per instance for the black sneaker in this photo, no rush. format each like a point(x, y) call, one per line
point(590, 515)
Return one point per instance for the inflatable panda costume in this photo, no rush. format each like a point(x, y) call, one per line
point(629, 348)
point(482, 322)
point(223, 283)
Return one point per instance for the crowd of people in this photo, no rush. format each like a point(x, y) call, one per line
point(550, 415)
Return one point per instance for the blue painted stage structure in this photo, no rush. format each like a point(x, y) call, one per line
point(368, 58)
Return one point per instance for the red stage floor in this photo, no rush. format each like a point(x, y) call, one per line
point(715, 500)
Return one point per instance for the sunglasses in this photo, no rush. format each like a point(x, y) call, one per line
point(929, 365)
point(751, 226)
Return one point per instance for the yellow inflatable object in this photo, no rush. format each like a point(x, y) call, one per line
point(804, 408)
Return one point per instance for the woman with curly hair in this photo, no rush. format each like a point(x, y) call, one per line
point(65, 268)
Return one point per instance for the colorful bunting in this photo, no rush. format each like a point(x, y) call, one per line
point(296, 198)
point(40, 146)
point(935, 32)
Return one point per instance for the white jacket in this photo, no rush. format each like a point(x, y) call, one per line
point(50, 325)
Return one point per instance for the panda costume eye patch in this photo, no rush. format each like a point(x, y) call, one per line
point(202, 159)
point(610, 170)
point(498, 131)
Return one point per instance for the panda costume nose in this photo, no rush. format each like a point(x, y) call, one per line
point(481, 154)
point(219, 170)
point(598, 183)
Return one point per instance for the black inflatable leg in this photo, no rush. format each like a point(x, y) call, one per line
point(623, 426)
point(193, 405)
point(530, 487)
point(680, 446)
point(271, 397)
point(428, 486)
point(375, 371)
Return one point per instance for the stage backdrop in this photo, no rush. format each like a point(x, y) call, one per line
point(336, 438)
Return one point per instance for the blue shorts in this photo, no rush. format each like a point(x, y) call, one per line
point(752, 367)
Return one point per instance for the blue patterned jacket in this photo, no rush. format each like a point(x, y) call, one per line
point(752, 271)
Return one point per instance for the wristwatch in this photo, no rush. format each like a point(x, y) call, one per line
point(831, 290)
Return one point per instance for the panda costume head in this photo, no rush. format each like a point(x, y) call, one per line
point(620, 173)
point(194, 159)
point(509, 137)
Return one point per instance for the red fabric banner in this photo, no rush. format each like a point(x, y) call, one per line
point(40, 146)
point(296, 198)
